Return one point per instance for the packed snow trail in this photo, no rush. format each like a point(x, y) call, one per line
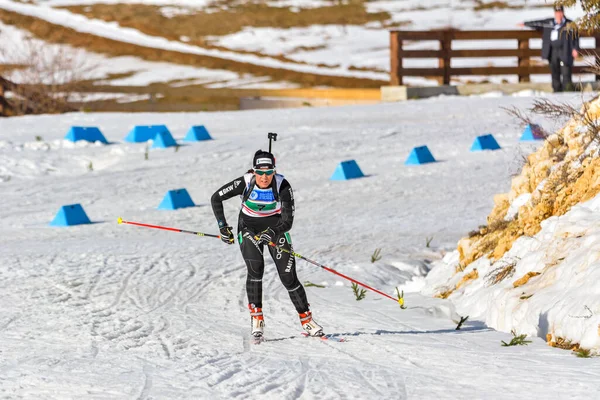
point(111, 311)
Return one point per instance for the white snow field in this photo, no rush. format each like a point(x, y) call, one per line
point(108, 311)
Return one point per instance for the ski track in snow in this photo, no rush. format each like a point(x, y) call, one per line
point(107, 311)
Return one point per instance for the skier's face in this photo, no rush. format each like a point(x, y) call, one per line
point(264, 177)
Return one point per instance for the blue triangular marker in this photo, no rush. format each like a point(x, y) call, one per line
point(87, 133)
point(69, 215)
point(143, 133)
point(485, 142)
point(347, 170)
point(163, 140)
point(174, 199)
point(532, 133)
point(419, 155)
point(196, 134)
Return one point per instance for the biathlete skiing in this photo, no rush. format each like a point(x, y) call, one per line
point(266, 215)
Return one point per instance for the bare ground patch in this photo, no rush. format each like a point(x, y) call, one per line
point(163, 97)
point(199, 24)
point(5, 68)
point(58, 34)
point(196, 26)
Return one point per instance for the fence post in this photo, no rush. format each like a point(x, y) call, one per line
point(597, 56)
point(1, 99)
point(444, 61)
point(523, 60)
point(396, 60)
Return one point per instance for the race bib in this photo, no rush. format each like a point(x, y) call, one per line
point(265, 195)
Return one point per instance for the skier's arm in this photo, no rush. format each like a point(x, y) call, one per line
point(227, 191)
point(286, 197)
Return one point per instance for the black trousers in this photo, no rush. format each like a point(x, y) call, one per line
point(560, 69)
point(286, 268)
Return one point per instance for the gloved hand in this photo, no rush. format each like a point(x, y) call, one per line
point(226, 234)
point(266, 236)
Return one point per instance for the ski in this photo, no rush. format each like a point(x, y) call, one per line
point(330, 336)
point(257, 339)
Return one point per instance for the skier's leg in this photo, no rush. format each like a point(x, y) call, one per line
point(253, 257)
point(286, 267)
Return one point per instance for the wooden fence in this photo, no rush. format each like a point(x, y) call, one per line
point(444, 72)
point(3, 103)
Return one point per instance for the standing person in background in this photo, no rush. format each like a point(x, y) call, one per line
point(560, 46)
point(266, 216)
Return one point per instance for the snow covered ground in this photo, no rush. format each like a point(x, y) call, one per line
point(108, 311)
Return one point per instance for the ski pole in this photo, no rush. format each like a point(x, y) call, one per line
point(122, 221)
point(400, 298)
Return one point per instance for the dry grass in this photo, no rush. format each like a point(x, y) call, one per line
point(391, 25)
point(444, 293)
point(582, 116)
point(6, 68)
point(58, 34)
point(498, 274)
point(198, 25)
point(561, 343)
point(498, 225)
point(481, 5)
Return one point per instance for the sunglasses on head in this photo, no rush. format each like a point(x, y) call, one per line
point(261, 172)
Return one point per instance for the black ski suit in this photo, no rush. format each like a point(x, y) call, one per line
point(261, 209)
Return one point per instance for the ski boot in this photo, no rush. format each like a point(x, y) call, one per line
point(257, 321)
point(309, 325)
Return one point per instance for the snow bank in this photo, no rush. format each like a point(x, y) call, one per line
point(534, 268)
point(559, 295)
